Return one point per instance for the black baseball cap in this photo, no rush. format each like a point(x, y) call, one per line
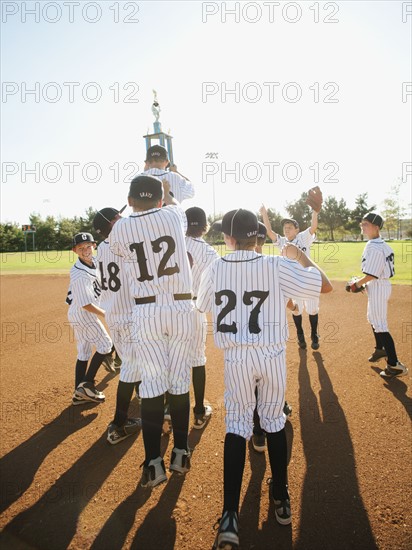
point(262, 231)
point(374, 219)
point(103, 218)
point(80, 238)
point(290, 220)
point(196, 217)
point(146, 188)
point(157, 152)
point(240, 223)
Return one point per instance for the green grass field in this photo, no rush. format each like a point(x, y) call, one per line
point(339, 260)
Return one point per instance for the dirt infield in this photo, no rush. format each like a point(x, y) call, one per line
point(63, 486)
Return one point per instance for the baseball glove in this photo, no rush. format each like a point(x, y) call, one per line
point(315, 199)
point(351, 286)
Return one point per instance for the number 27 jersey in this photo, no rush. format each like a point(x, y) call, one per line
point(152, 245)
point(247, 294)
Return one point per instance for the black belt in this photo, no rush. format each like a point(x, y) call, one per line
point(152, 299)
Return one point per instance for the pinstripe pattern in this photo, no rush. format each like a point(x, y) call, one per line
point(118, 303)
point(198, 347)
point(84, 289)
point(152, 245)
point(146, 228)
point(163, 338)
point(115, 297)
point(243, 272)
point(182, 189)
point(203, 255)
point(311, 306)
point(245, 369)
point(254, 351)
point(122, 331)
point(379, 292)
point(378, 260)
point(303, 240)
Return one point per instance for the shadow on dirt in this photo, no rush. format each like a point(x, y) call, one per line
point(52, 521)
point(331, 487)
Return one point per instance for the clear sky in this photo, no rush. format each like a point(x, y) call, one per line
point(268, 96)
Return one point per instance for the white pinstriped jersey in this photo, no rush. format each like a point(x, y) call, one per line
point(182, 189)
point(85, 285)
point(116, 297)
point(247, 294)
point(203, 255)
point(378, 259)
point(303, 240)
point(152, 244)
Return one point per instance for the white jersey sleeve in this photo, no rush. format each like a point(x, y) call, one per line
point(378, 259)
point(206, 291)
point(202, 255)
point(303, 240)
point(280, 241)
point(180, 187)
point(297, 281)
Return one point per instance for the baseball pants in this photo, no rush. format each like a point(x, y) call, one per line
point(163, 340)
point(89, 331)
point(248, 368)
point(379, 292)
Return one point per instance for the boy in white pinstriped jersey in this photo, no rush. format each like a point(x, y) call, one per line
point(156, 164)
point(259, 436)
point(201, 255)
point(303, 240)
point(118, 304)
point(151, 242)
point(83, 298)
point(378, 267)
point(247, 294)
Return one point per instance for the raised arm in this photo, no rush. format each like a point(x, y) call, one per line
point(264, 213)
point(314, 200)
point(314, 224)
point(167, 197)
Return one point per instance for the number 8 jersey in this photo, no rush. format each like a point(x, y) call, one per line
point(115, 298)
point(152, 245)
point(247, 294)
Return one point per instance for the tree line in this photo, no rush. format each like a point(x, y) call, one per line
point(336, 222)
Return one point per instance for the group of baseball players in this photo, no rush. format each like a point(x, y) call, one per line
point(153, 281)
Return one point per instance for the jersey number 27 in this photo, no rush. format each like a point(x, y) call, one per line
point(254, 327)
